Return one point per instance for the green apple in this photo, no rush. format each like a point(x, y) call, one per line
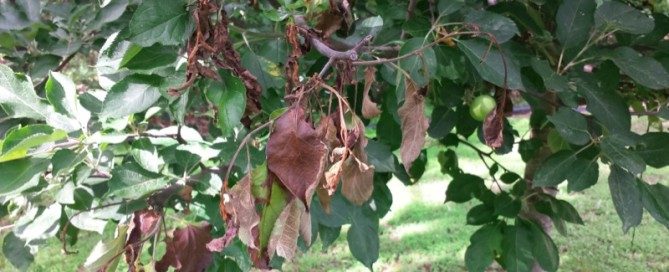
point(481, 106)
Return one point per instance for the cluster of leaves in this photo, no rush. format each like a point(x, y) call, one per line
point(201, 110)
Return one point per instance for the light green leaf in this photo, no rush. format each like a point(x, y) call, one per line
point(44, 225)
point(606, 105)
point(271, 212)
point(622, 156)
point(62, 94)
point(18, 174)
point(554, 169)
point(230, 99)
point(644, 70)
point(17, 252)
point(19, 141)
point(86, 220)
point(160, 21)
point(146, 154)
point(18, 98)
point(571, 125)
point(133, 94)
point(107, 255)
point(492, 68)
point(653, 147)
point(363, 236)
point(130, 181)
point(626, 197)
point(484, 243)
point(574, 20)
point(613, 15)
point(499, 26)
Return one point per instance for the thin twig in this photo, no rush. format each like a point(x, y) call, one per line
point(241, 145)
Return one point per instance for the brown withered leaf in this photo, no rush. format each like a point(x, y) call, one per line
point(369, 109)
point(493, 125)
point(305, 227)
point(296, 154)
point(187, 250)
point(283, 239)
point(143, 222)
point(329, 22)
point(414, 124)
point(323, 196)
point(328, 132)
point(243, 207)
point(332, 176)
point(218, 244)
point(357, 176)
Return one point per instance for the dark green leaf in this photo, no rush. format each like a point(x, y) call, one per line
point(380, 156)
point(64, 160)
point(363, 236)
point(626, 197)
point(544, 249)
point(148, 58)
point(416, 65)
point(442, 122)
point(463, 187)
point(21, 174)
point(653, 147)
point(554, 169)
point(17, 252)
point(499, 26)
point(644, 70)
point(133, 94)
point(583, 175)
point(268, 73)
point(574, 20)
point(622, 156)
point(484, 244)
point(506, 206)
point(493, 68)
point(528, 148)
point(552, 80)
point(481, 214)
point(612, 15)
point(509, 177)
point(447, 7)
point(656, 200)
point(571, 125)
point(517, 248)
point(160, 21)
point(606, 105)
point(230, 99)
point(328, 235)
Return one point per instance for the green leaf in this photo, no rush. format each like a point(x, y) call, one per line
point(271, 211)
point(18, 98)
point(258, 178)
point(44, 225)
point(583, 175)
point(622, 156)
point(606, 105)
point(612, 15)
point(328, 235)
point(656, 200)
point(447, 7)
point(130, 181)
point(644, 70)
point(554, 169)
point(133, 94)
point(148, 58)
point(626, 197)
point(481, 214)
point(574, 20)
point(571, 125)
point(363, 236)
point(17, 252)
point(552, 80)
point(160, 21)
point(146, 154)
point(19, 141)
point(416, 65)
point(506, 206)
point(564, 210)
point(105, 256)
point(463, 187)
point(483, 246)
point(653, 147)
point(442, 122)
point(544, 249)
point(268, 73)
point(493, 68)
point(499, 26)
point(517, 248)
point(62, 94)
point(86, 220)
point(21, 174)
point(230, 99)
point(380, 156)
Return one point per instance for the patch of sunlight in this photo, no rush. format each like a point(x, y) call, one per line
point(401, 231)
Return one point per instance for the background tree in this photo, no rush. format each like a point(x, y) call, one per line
point(275, 123)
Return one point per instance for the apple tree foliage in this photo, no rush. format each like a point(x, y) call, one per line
point(272, 123)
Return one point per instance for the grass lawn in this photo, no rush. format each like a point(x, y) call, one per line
point(421, 233)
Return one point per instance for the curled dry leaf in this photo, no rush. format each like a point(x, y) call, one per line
point(143, 222)
point(323, 196)
point(369, 109)
point(357, 176)
point(296, 154)
point(328, 132)
point(414, 124)
point(218, 244)
point(243, 207)
point(284, 236)
point(187, 250)
point(493, 125)
point(332, 176)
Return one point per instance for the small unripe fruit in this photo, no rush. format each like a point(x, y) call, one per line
point(481, 106)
